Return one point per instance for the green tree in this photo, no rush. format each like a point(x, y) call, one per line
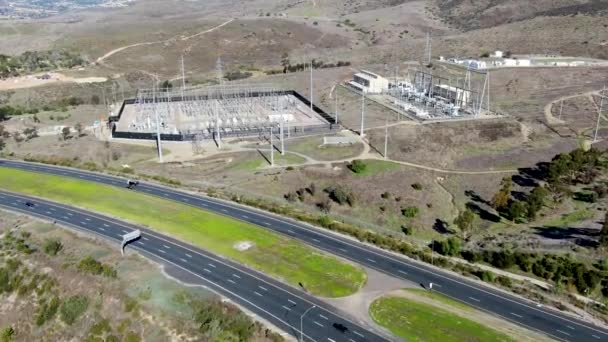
point(465, 221)
point(79, 128)
point(536, 200)
point(357, 166)
point(604, 232)
point(65, 133)
point(501, 198)
point(517, 210)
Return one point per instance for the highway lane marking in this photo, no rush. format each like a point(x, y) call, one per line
point(224, 210)
point(317, 323)
point(286, 308)
point(52, 209)
point(188, 255)
point(160, 250)
point(139, 243)
point(371, 260)
point(118, 223)
point(70, 214)
point(267, 224)
point(595, 336)
point(259, 294)
point(569, 327)
point(204, 205)
point(185, 199)
point(236, 276)
point(330, 340)
point(351, 340)
point(402, 272)
point(183, 260)
point(47, 212)
point(167, 247)
point(359, 334)
point(145, 238)
point(86, 218)
point(263, 288)
point(315, 240)
point(103, 230)
point(291, 301)
point(207, 270)
point(15, 203)
point(563, 332)
point(124, 231)
point(231, 281)
point(83, 223)
point(212, 265)
point(245, 217)
point(166, 195)
point(475, 299)
point(106, 225)
point(516, 315)
point(325, 318)
point(290, 231)
point(65, 217)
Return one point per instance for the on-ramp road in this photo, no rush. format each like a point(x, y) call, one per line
point(277, 303)
point(515, 309)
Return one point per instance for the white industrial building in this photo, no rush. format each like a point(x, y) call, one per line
point(458, 96)
point(369, 82)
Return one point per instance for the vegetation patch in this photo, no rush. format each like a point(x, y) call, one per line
point(415, 321)
point(273, 254)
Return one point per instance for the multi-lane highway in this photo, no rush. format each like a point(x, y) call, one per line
point(515, 309)
point(277, 303)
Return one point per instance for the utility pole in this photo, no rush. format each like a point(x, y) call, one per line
point(386, 139)
point(282, 140)
point(218, 138)
point(561, 108)
point(428, 47)
point(302, 322)
point(362, 133)
point(599, 113)
point(183, 78)
point(158, 139)
point(311, 95)
point(336, 105)
point(271, 148)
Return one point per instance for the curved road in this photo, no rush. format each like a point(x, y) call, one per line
point(266, 297)
point(515, 309)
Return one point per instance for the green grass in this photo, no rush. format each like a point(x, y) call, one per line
point(573, 217)
point(374, 167)
point(313, 147)
point(257, 161)
point(415, 321)
point(272, 253)
point(439, 297)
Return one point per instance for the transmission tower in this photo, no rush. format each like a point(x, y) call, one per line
point(599, 112)
point(429, 48)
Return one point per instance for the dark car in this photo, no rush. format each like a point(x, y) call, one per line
point(29, 204)
point(340, 327)
point(132, 183)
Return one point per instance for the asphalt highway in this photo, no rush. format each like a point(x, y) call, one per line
point(275, 302)
point(515, 309)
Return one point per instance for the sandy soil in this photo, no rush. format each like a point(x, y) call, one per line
point(35, 80)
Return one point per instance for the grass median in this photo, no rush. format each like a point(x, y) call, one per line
point(417, 321)
point(271, 253)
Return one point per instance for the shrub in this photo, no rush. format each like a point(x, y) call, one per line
point(47, 311)
point(386, 195)
point(312, 189)
point(357, 166)
point(73, 307)
point(449, 247)
point(417, 186)
point(337, 194)
point(410, 212)
point(52, 246)
point(406, 230)
point(324, 206)
point(7, 334)
point(90, 265)
point(291, 197)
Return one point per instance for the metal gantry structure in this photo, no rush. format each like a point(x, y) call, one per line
point(431, 96)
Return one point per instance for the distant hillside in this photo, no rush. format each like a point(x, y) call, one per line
point(475, 14)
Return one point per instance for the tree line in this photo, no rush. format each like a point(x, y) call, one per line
point(36, 61)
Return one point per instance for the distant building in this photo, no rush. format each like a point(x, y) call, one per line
point(498, 54)
point(475, 64)
point(369, 82)
point(512, 62)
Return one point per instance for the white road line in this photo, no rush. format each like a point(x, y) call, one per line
point(139, 243)
point(317, 323)
point(101, 229)
point(438, 285)
point(371, 260)
point(330, 340)
point(315, 240)
point(563, 332)
point(516, 315)
point(204, 205)
point(236, 276)
point(290, 231)
point(291, 301)
point(47, 212)
point(595, 336)
point(286, 308)
point(166, 195)
point(83, 223)
point(212, 265)
point(106, 225)
point(124, 231)
point(257, 293)
point(325, 318)
point(145, 238)
point(183, 260)
point(343, 250)
point(160, 250)
point(231, 281)
point(475, 299)
point(224, 210)
point(402, 272)
point(351, 340)
point(266, 223)
point(70, 214)
point(207, 270)
point(569, 327)
point(263, 288)
point(167, 247)
point(86, 218)
point(245, 217)
point(188, 255)
point(65, 217)
point(357, 333)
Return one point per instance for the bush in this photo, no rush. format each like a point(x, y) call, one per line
point(406, 230)
point(386, 195)
point(52, 246)
point(7, 334)
point(410, 212)
point(417, 186)
point(291, 197)
point(47, 311)
point(90, 265)
point(339, 195)
point(357, 166)
point(324, 206)
point(449, 247)
point(73, 307)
